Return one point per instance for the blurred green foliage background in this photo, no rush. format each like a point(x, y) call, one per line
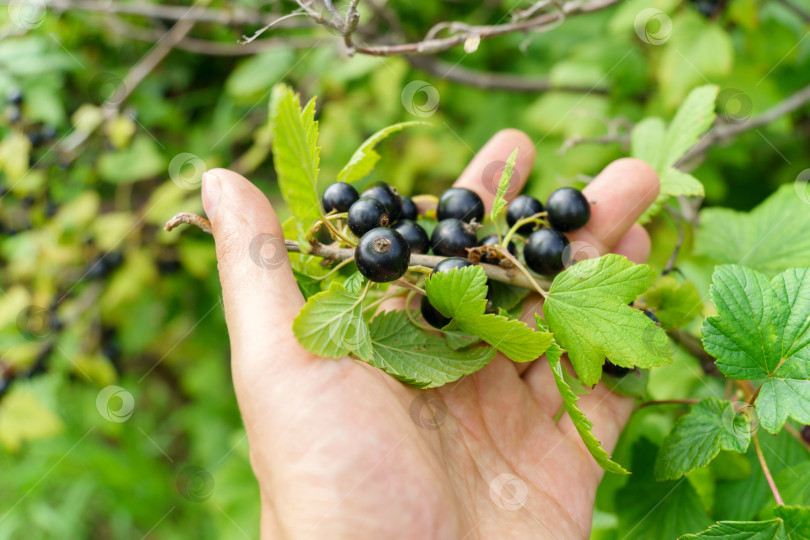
point(95, 294)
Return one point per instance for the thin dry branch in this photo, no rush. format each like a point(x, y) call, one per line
point(725, 132)
point(492, 81)
point(511, 276)
point(433, 46)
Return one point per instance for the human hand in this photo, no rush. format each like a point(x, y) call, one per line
point(341, 450)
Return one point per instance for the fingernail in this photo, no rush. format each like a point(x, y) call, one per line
point(211, 191)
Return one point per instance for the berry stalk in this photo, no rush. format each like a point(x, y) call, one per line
point(511, 276)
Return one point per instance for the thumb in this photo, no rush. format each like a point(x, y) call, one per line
point(259, 291)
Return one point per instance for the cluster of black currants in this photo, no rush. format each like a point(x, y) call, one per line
point(386, 225)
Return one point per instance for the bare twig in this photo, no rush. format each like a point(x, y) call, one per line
point(677, 249)
point(796, 9)
point(694, 347)
point(245, 39)
point(725, 132)
point(432, 46)
point(133, 78)
point(337, 253)
point(669, 402)
point(201, 14)
point(492, 81)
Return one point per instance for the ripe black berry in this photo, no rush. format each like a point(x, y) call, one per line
point(339, 197)
point(432, 315)
point(15, 97)
point(616, 371)
point(382, 255)
point(366, 214)
point(388, 196)
point(450, 263)
point(649, 313)
point(806, 433)
point(409, 210)
point(414, 234)
point(568, 209)
point(452, 238)
point(544, 251)
point(460, 203)
point(492, 240)
point(522, 207)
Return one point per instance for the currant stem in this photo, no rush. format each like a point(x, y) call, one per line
point(536, 286)
point(525, 221)
point(510, 276)
point(767, 471)
point(333, 270)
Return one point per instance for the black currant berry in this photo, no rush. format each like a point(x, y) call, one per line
point(649, 313)
point(452, 238)
point(806, 433)
point(414, 234)
point(492, 240)
point(409, 210)
point(432, 315)
point(339, 197)
point(388, 196)
point(616, 371)
point(522, 207)
point(15, 97)
point(450, 263)
point(382, 255)
point(460, 203)
point(568, 209)
point(544, 251)
point(366, 214)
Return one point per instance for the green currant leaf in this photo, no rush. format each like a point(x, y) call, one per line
point(698, 436)
point(296, 156)
point(693, 118)
point(503, 185)
point(587, 310)
point(771, 238)
point(674, 303)
point(663, 147)
point(365, 157)
point(461, 295)
point(418, 358)
point(797, 520)
point(331, 323)
point(762, 331)
point(647, 141)
point(743, 530)
point(581, 422)
point(650, 509)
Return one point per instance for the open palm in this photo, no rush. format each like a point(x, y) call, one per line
point(342, 450)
